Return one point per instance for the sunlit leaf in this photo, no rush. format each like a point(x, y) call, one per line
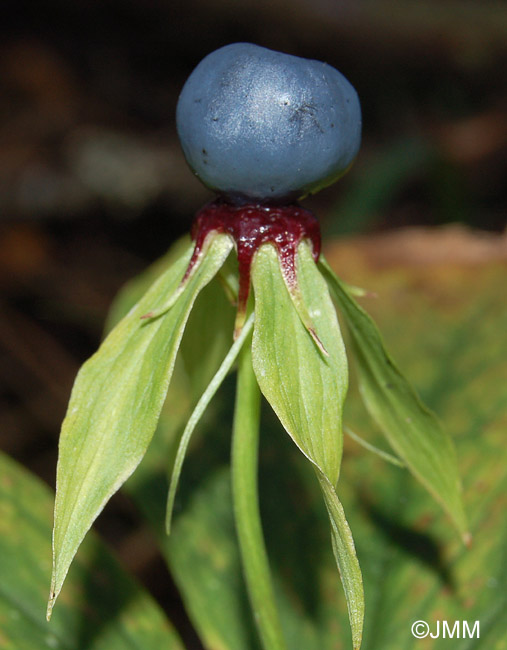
point(412, 430)
point(103, 608)
point(200, 353)
point(116, 402)
point(306, 390)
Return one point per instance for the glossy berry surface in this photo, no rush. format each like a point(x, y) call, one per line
point(259, 125)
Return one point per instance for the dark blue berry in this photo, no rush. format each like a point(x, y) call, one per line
point(259, 125)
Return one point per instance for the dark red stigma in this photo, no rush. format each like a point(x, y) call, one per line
point(252, 225)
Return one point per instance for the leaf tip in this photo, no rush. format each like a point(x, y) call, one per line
point(318, 342)
point(169, 515)
point(171, 496)
point(156, 313)
point(51, 604)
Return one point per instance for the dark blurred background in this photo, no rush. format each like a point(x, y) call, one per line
point(93, 185)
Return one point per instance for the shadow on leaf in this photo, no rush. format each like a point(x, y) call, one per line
point(418, 545)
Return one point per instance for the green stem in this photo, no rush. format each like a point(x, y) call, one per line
point(246, 504)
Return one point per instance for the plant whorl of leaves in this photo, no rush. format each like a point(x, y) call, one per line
point(259, 125)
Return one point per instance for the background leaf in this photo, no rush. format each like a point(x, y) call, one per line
point(413, 566)
point(116, 402)
point(102, 609)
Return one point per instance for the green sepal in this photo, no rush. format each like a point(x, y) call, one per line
point(412, 430)
point(116, 402)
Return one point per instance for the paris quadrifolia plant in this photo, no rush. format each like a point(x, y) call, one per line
point(263, 129)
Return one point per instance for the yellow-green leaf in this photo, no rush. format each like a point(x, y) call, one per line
point(116, 402)
point(305, 388)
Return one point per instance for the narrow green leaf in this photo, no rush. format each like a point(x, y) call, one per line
point(411, 429)
point(116, 402)
point(197, 413)
point(375, 450)
point(346, 559)
point(104, 609)
point(358, 292)
point(305, 388)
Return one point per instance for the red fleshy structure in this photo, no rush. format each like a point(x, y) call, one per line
point(252, 225)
